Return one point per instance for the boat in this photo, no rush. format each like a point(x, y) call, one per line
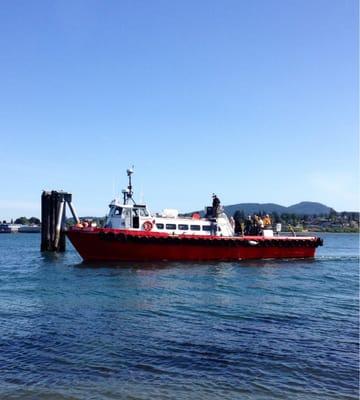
point(9, 227)
point(30, 229)
point(132, 233)
point(18, 228)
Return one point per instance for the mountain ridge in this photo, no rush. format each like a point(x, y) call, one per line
point(302, 208)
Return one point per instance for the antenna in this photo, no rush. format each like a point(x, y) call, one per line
point(128, 193)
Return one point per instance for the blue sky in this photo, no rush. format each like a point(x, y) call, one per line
point(254, 100)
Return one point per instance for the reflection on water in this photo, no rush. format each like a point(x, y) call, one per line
point(214, 265)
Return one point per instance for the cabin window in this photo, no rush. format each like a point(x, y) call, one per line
point(143, 212)
point(206, 228)
point(126, 213)
point(195, 227)
point(160, 226)
point(118, 211)
point(170, 226)
point(136, 220)
point(182, 227)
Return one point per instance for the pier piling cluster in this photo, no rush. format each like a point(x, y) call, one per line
point(53, 216)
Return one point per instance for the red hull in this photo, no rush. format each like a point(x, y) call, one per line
point(94, 244)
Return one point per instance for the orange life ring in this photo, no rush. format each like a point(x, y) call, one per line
point(147, 225)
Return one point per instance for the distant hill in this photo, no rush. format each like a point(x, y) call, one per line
point(303, 208)
point(309, 208)
point(255, 208)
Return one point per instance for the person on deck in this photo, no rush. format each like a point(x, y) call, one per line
point(255, 225)
point(248, 226)
point(260, 225)
point(216, 205)
point(267, 221)
point(236, 223)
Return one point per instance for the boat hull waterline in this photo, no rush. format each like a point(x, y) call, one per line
point(98, 244)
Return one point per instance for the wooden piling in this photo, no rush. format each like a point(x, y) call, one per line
point(52, 205)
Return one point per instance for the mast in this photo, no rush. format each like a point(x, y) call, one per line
point(128, 193)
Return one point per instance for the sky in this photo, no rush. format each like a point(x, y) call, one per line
point(255, 100)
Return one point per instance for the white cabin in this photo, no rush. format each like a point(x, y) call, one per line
point(138, 217)
point(128, 215)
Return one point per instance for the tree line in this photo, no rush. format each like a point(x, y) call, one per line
point(25, 221)
point(343, 219)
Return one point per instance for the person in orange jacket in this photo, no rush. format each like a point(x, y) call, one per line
point(267, 220)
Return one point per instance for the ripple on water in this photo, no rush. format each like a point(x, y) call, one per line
point(250, 330)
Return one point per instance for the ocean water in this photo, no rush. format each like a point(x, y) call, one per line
point(284, 329)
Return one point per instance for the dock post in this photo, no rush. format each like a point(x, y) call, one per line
point(45, 221)
point(53, 220)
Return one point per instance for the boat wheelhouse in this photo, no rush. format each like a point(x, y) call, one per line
point(136, 217)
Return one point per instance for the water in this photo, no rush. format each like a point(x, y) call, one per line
point(244, 330)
